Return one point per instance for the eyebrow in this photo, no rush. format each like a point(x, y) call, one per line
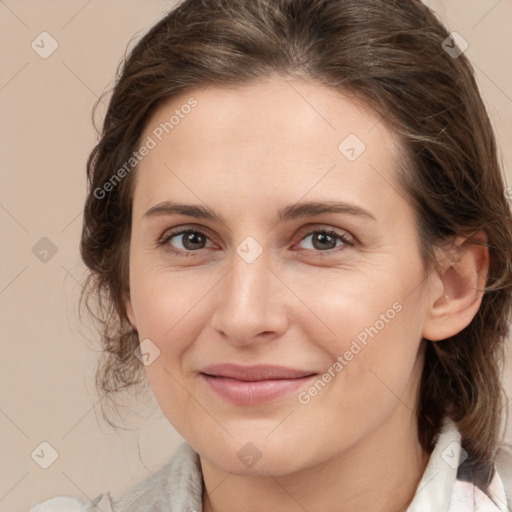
point(294, 211)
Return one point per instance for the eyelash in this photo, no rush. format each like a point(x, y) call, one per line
point(163, 241)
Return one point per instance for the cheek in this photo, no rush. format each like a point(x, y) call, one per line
point(166, 309)
point(170, 308)
point(163, 300)
point(357, 305)
point(379, 361)
point(375, 322)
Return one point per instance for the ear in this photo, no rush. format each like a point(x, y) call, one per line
point(457, 288)
point(129, 311)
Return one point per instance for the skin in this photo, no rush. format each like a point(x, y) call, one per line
point(246, 153)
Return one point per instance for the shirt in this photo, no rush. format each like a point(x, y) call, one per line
point(178, 485)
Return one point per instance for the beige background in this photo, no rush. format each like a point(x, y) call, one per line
point(47, 364)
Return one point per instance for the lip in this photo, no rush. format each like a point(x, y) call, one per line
point(251, 385)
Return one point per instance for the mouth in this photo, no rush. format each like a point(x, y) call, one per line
point(252, 385)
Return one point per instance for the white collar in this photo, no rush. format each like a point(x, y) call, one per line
point(440, 491)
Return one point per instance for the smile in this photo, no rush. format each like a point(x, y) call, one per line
point(253, 385)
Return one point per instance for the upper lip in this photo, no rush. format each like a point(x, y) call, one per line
point(255, 373)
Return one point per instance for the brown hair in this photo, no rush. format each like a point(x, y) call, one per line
point(387, 53)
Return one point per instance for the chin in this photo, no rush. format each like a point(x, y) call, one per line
point(260, 457)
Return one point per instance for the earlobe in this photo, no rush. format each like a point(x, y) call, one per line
point(462, 280)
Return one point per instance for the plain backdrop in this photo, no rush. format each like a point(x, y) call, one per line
point(47, 360)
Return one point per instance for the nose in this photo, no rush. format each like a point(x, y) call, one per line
point(252, 303)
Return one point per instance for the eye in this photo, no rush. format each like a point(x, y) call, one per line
point(322, 240)
point(192, 241)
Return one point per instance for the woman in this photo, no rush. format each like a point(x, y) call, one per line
point(297, 223)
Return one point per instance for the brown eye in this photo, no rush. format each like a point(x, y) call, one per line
point(324, 240)
point(190, 241)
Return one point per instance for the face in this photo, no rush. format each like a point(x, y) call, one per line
point(285, 323)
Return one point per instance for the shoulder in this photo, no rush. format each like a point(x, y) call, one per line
point(178, 482)
point(68, 504)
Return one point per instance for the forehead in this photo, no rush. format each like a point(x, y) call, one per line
point(280, 138)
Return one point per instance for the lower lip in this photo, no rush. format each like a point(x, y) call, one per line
point(252, 393)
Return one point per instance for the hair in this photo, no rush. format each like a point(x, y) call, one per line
point(388, 54)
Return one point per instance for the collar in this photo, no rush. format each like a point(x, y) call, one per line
point(440, 490)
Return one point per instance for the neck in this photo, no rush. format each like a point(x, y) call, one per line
point(380, 474)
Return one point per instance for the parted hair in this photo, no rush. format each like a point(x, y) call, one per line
point(391, 55)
